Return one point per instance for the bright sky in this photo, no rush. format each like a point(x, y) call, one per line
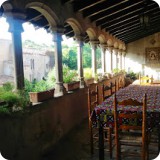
point(39, 36)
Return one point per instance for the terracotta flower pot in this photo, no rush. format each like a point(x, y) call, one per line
point(72, 86)
point(41, 96)
point(89, 81)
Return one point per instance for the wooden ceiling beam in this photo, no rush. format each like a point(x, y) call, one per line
point(139, 31)
point(101, 8)
point(119, 18)
point(127, 30)
point(134, 11)
point(139, 36)
point(125, 19)
point(122, 26)
point(35, 18)
point(130, 23)
point(111, 13)
point(82, 5)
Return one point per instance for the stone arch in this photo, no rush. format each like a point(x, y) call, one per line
point(91, 33)
point(115, 44)
point(110, 42)
point(102, 39)
point(46, 11)
point(7, 5)
point(75, 26)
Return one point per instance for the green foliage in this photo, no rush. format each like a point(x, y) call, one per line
point(36, 86)
point(87, 73)
point(98, 58)
point(132, 75)
point(116, 70)
point(87, 62)
point(40, 86)
point(8, 86)
point(33, 45)
point(69, 75)
point(12, 98)
point(51, 79)
point(69, 56)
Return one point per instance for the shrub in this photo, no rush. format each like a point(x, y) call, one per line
point(69, 75)
point(51, 79)
point(13, 100)
point(87, 73)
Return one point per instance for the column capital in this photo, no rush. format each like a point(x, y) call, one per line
point(110, 48)
point(103, 45)
point(15, 18)
point(115, 51)
point(17, 14)
point(94, 43)
point(79, 37)
point(57, 29)
point(120, 51)
point(124, 53)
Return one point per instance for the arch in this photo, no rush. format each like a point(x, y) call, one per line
point(91, 33)
point(120, 46)
point(102, 38)
point(75, 26)
point(7, 5)
point(109, 42)
point(46, 11)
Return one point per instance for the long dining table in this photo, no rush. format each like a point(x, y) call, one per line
point(103, 114)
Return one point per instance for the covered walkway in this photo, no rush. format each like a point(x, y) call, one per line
point(75, 146)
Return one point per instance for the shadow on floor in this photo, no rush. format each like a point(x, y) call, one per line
point(75, 146)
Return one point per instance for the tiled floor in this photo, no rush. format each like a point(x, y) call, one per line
point(75, 146)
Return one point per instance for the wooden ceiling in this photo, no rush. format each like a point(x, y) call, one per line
point(120, 18)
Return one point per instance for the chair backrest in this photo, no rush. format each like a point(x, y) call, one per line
point(106, 91)
point(120, 83)
point(145, 80)
point(93, 98)
point(131, 117)
point(113, 87)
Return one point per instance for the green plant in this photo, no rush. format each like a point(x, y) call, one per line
point(36, 86)
point(132, 75)
point(51, 80)
point(87, 73)
point(116, 70)
point(11, 99)
point(69, 75)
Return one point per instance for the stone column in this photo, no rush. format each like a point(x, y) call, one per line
point(124, 55)
point(103, 60)
point(110, 49)
point(120, 54)
point(57, 38)
point(116, 58)
point(80, 62)
point(94, 62)
point(16, 28)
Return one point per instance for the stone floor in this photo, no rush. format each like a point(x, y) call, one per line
point(75, 146)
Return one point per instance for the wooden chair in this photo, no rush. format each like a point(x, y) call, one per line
point(131, 134)
point(145, 80)
point(113, 87)
point(93, 101)
point(120, 83)
point(106, 91)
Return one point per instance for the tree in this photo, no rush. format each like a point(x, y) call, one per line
point(87, 56)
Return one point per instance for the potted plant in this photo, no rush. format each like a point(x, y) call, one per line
point(88, 76)
point(12, 100)
point(39, 91)
point(70, 79)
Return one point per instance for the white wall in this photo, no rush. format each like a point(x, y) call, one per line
point(135, 58)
